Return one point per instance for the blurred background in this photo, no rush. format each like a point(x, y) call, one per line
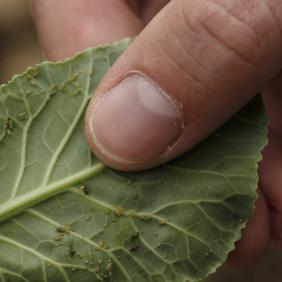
point(18, 44)
point(19, 49)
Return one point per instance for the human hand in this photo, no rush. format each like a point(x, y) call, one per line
point(192, 67)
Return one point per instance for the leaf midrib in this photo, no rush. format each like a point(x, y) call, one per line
point(21, 203)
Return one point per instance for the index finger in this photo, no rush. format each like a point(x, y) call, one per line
point(68, 26)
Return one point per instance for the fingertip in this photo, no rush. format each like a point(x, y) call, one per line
point(192, 70)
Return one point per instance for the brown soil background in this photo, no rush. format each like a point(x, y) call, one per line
point(19, 49)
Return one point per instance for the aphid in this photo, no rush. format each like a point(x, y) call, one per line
point(53, 92)
point(77, 92)
point(59, 237)
point(89, 257)
point(103, 244)
point(135, 236)
point(119, 211)
point(66, 229)
point(96, 269)
point(72, 253)
point(145, 217)
point(109, 267)
point(88, 218)
point(131, 182)
point(107, 211)
point(32, 73)
point(52, 88)
point(73, 77)
point(33, 82)
point(71, 250)
point(84, 190)
point(61, 87)
point(8, 126)
point(23, 116)
point(162, 222)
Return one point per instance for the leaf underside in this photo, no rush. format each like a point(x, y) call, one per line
point(65, 217)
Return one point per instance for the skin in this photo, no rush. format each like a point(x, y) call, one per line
point(68, 26)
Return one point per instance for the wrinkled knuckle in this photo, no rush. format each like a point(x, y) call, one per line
point(239, 28)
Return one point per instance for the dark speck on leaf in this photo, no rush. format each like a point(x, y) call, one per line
point(135, 236)
point(134, 249)
point(131, 182)
point(71, 250)
point(83, 189)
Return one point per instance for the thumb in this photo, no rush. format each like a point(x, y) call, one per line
point(190, 70)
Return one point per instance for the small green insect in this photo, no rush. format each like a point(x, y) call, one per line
point(59, 237)
point(131, 182)
point(162, 222)
point(66, 229)
point(88, 218)
point(103, 244)
point(77, 92)
point(23, 116)
point(83, 189)
point(109, 266)
point(71, 250)
point(74, 77)
point(9, 125)
point(33, 82)
point(96, 269)
point(135, 236)
point(119, 211)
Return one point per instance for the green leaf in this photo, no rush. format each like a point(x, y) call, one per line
point(64, 216)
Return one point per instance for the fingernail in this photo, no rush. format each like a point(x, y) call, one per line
point(135, 121)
